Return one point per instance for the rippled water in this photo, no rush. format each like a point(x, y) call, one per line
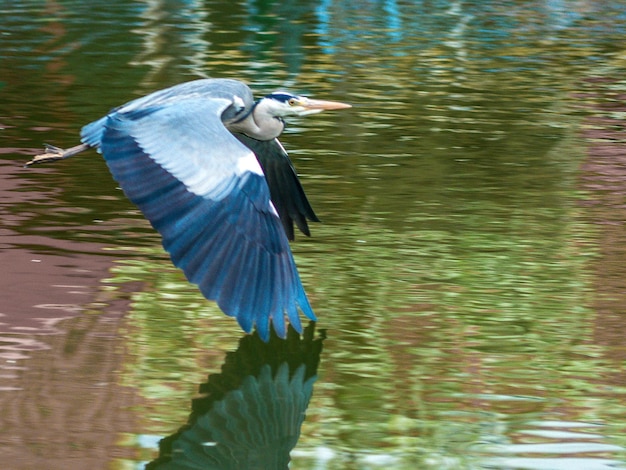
point(468, 275)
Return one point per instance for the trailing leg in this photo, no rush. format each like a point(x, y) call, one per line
point(52, 154)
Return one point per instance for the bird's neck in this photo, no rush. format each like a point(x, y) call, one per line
point(260, 124)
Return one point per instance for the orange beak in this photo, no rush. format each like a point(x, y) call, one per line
point(321, 104)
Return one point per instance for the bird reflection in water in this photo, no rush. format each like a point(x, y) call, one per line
point(202, 161)
point(251, 412)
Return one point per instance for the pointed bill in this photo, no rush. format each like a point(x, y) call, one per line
point(322, 105)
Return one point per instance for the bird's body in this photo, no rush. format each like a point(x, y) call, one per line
point(202, 161)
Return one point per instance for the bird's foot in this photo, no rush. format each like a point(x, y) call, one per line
point(52, 154)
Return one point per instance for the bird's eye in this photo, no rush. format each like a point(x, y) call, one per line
point(291, 101)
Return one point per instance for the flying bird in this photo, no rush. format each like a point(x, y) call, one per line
point(202, 162)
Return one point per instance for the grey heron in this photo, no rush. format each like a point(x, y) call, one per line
point(202, 162)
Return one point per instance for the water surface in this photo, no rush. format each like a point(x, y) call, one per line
point(468, 273)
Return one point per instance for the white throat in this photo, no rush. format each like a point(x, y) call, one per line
point(262, 123)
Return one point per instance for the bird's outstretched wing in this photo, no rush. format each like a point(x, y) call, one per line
point(285, 189)
point(206, 194)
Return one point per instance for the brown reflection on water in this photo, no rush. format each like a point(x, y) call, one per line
point(60, 357)
point(69, 409)
point(49, 280)
point(604, 177)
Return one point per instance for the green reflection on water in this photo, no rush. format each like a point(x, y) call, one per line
point(426, 326)
point(173, 332)
point(450, 272)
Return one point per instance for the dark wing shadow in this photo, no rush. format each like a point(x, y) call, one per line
point(251, 412)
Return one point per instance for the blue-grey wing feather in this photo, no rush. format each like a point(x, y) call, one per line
point(205, 193)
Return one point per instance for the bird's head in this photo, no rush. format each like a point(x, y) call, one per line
point(280, 104)
point(265, 119)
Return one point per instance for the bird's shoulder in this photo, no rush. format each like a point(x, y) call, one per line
point(203, 91)
point(208, 100)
